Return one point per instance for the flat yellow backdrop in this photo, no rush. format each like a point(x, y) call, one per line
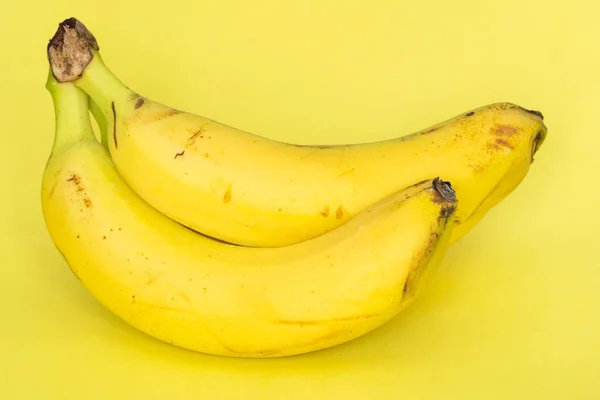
point(513, 313)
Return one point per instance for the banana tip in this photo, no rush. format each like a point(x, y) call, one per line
point(445, 190)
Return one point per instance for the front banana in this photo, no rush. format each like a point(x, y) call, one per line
point(217, 298)
point(248, 190)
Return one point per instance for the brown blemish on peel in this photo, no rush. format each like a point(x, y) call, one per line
point(446, 212)
point(76, 181)
point(504, 130)
point(420, 263)
point(325, 211)
point(340, 212)
point(151, 117)
point(139, 103)
point(182, 152)
point(112, 105)
point(169, 113)
point(470, 114)
point(227, 195)
point(504, 143)
point(192, 139)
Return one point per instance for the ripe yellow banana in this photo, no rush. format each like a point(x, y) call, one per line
point(213, 297)
point(248, 190)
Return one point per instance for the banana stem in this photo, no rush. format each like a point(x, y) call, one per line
point(73, 56)
point(72, 118)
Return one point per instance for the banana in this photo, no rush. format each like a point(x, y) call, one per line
point(217, 298)
point(248, 190)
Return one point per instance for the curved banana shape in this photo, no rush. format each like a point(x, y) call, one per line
point(248, 190)
point(198, 293)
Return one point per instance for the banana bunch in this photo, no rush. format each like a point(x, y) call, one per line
point(227, 243)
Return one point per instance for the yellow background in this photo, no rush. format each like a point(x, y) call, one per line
point(514, 311)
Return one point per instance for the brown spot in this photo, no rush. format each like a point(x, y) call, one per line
point(504, 130)
point(148, 118)
point(197, 134)
point(206, 155)
point(504, 143)
point(470, 114)
point(227, 195)
point(139, 103)
point(494, 146)
point(103, 237)
point(477, 167)
point(340, 213)
point(350, 171)
point(182, 152)
point(445, 213)
point(76, 180)
point(77, 236)
point(112, 105)
point(152, 278)
point(325, 211)
point(169, 113)
point(133, 299)
point(420, 263)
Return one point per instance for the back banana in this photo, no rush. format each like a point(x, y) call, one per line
point(248, 190)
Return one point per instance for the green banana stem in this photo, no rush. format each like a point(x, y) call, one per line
point(72, 117)
point(101, 120)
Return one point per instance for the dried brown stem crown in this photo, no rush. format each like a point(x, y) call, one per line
point(444, 189)
point(70, 50)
